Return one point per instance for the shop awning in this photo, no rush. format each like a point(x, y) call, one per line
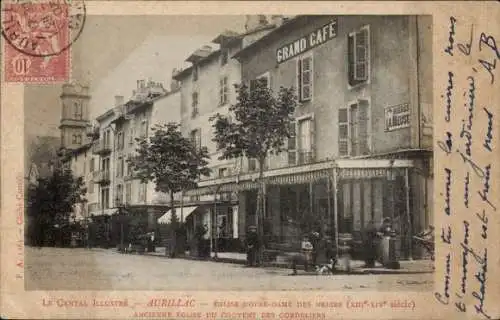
point(167, 217)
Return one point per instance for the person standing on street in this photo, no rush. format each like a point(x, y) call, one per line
point(253, 245)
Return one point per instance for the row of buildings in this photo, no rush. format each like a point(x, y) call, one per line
point(361, 148)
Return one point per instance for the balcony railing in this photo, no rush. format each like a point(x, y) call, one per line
point(100, 148)
point(305, 157)
point(102, 176)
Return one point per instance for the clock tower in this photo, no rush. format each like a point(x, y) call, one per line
point(75, 115)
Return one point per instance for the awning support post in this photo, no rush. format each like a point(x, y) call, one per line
point(335, 211)
point(410, 227)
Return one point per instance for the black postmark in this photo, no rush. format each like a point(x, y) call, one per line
point(42, 28)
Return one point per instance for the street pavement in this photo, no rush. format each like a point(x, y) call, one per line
point(100, 269)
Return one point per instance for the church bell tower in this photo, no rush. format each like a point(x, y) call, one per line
point(75, 115)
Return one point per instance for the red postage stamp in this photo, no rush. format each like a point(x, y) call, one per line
point(38, 38)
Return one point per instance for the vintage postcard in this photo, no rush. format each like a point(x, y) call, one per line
point(249, 160)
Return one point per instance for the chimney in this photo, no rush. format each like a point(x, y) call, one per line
point(119, 101)
point(277, 20)
point(255, 21)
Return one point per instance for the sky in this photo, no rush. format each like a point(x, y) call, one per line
point(113, 52)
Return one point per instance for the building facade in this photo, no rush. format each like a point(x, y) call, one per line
point(207, 88)
point(361, 148)
point(100, 156)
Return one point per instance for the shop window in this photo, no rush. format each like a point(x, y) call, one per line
point(305, 78)
point(353, 124)
point(358, 56)
point(223, 91)
point(194, 104)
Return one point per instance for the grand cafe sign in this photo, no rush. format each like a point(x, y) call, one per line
point(307, 42)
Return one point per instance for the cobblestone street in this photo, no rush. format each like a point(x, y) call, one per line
point(99, 269)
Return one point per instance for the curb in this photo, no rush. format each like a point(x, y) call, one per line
point(355, 271)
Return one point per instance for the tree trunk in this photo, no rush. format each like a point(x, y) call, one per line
point(173, 227)
point(261, 210)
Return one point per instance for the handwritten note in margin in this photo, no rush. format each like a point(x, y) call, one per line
point(467, 166)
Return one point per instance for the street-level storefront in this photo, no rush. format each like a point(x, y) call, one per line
point(334, 198)
point(213, 222)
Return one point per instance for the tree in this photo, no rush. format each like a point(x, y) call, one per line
point(172, 162)
point(260, 127)
point(51, 202)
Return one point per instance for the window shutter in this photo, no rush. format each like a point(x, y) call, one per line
point(353, 128)
point(252, 85)
point(343, 132)
point(361, 55)
point(312, 129)
point(306, 78)
point(299, 78)
point(292, 145)
point(363, 123)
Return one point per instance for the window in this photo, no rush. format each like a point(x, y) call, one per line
point(358, 56)
point(223, 172)
point(77, 139)
point(78, 114)
point(195, 72)
point(131, 135)
point(194, 104)
point(144, 128)
point(305, 141)
point(120, 141)
point(195, 137)
point(353, 129)
point(120, 167)
point(104, 198)
point(305, 79)
point(292, 145)
point(223, 90)
point(301, 141)
point(119, 195)
point(92, 165)
point(224, 57)
point(128, 192)
point(252, 165)
point(142, 192)
point(91, 186)
point(264, 79)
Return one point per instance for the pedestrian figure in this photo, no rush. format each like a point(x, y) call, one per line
point(253, 245)
point(314, 240)
point(304, 256)
point(370, 244)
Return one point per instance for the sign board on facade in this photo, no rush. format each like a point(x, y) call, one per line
point(397, 117)
point(307, 42)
